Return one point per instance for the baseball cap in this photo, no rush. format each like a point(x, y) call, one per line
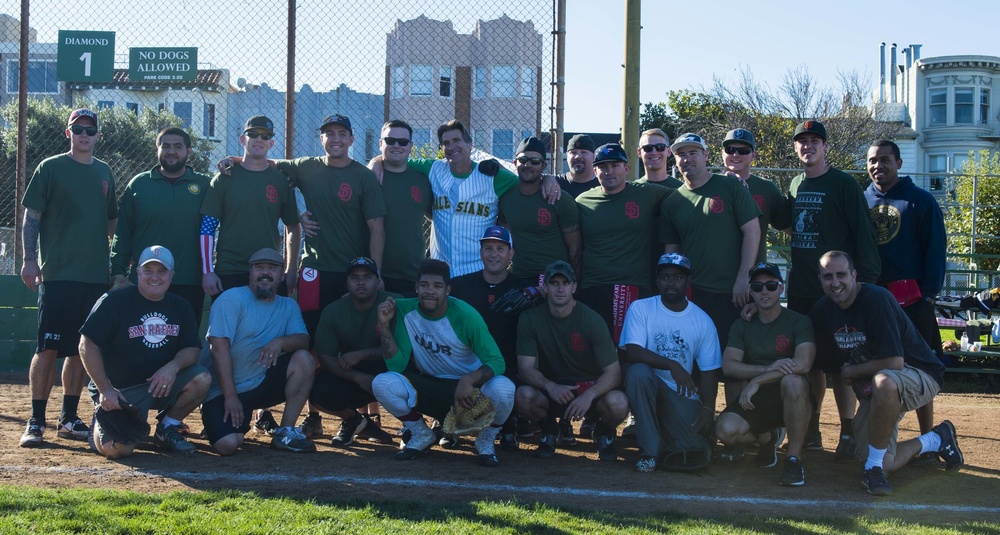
point(365, 263)
point(337, 118)
point(560, 267)
point(75, 115)
point(687, 139)
point(531, 144)
point(581, 142)
point(674, 259)
point(766, 268)
point(497, 234)
point(810, 127)
point(739, 135)
point(267, 256)
point(610, 152)
point(259, 122)
point(157, 253)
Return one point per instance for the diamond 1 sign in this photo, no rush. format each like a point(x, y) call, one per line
point(85, 56)
point(162, 64)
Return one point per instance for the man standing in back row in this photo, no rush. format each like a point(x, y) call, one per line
point(70, 214)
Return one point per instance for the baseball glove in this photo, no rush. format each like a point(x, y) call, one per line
point(125, 426)
point(489, 167)
point(516, 300)
point(461, 421)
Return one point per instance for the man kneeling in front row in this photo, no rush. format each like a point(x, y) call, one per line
point(140, 346)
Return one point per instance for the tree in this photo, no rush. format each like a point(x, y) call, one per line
point(979, 188)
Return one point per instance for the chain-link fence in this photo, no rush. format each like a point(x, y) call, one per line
point(209, 66)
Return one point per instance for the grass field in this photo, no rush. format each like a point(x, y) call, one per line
point(29, 510)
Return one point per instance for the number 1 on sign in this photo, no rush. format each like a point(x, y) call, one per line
point(85, 58)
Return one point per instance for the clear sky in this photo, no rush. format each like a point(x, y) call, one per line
point(685, 43)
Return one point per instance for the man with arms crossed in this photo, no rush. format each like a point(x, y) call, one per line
point(772, 352)
point(140, 346)
point(69, 215)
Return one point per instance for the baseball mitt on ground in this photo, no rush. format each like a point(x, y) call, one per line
point(460, 421)
point(124, 426)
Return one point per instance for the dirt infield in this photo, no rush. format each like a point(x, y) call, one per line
point(574, 478)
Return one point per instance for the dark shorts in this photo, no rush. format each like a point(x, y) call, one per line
point(193, 294)
point(611, 302)
point(435, 395)
point(243, 279)
point(270, 392)
point(403, 287)
point(557, 410)
point(769, 410)
point(331, 393)
point(316, 290)
point(139, 395)
point(63, 306)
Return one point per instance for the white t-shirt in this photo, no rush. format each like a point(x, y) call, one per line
point(685, 336)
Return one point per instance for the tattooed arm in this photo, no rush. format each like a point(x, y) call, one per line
point(30, 272)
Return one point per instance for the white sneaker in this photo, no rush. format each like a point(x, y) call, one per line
point(421, 439)
point(485, 446)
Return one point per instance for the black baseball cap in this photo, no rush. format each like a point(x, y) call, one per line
point(739, 135)
point(531, 144)
point(581, 142)
point(810, 127)
point(610, 152)
point(766, 268)
point(560, 267)
point(259, 122)
point(337, 118)
point(363, 262)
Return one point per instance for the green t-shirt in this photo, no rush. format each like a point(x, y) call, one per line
point(342, 201)
point(656, 245)
point(774, 210)
point(829, 212)
point(155, 212)
point(249, 205)
point(706, 223)
point(343, 328)
point(76, 202)
point(617, 233)
point(764, 343)
point(669, 182)
point(575, 348)
point(537, 229)
point(408, 200)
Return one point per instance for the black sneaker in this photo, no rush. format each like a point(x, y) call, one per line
point(449, 442)
point(732, 454)
point(813, 441)
point(566, 436)
point(646, 464)
point(874, 480)
point(949, 451)
point(588, 426)
point(525, 428)
point(767, 456)
point(547, 446)
point(606, 447)
point(629, 430)
point(929, 458)
point(33, 434)
point(73, 428)
point(291, 439)
point(846, 450)
point(509, 442)
point(265, 423)
point(792, 474)
point(349, 428)
point(170, 439)
point(312, 425)
point(374, 433)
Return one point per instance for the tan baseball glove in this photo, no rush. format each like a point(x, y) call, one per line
point(460, 421)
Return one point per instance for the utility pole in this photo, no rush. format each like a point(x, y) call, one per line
point(630, 112)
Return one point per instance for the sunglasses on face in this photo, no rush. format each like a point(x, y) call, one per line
point(89, 130)
point(759, 286)
point(254, 135)
point(743, 151)
point(401, 141)
point(660, 147)
point(534, 160)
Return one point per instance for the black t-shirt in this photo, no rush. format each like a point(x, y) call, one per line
point(875, 324)
point(474, 289)
point(137, 336)
point(575, 188)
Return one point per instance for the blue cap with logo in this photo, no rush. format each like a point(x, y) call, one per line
point(610, 152)
point(688, 139)
point(674, 259)
point(498, 233)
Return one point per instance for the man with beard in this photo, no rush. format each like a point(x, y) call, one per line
point(664, 336)
point(259, 359)
point(162, 206)
point(438, 349)
point(580, 157)
point(544, 232)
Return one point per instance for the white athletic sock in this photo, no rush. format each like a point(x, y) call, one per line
point(875, 457)
point(168, 421)
point(929, 442)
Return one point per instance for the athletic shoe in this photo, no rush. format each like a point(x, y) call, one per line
point(264, 423)
point(450, 442)
point(547, 446)
point(629, 430)
point(421, 439)
point(404, 438)
point(33, 434)
point(374, 433)
point(170, 439)
point(929, 458)
point(526, 428)
point(183, 428)
point(73, 428)
point(874, 480)
point(566, 437)
point(606, 447)
point(732, 454)
point(484, 446)
point(349, 427)
point(949, 451)
point(767, 456)
point(312, 425)
point(291, 439)
point(792, 475)
point(509, 442)
point(646, 464)
point(813, 441)
point(846, 450)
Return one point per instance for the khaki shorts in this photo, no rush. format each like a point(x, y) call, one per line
point(916, 389)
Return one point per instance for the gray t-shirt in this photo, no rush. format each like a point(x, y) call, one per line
point(249, 324)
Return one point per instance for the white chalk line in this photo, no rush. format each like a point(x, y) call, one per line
point(507, 489)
